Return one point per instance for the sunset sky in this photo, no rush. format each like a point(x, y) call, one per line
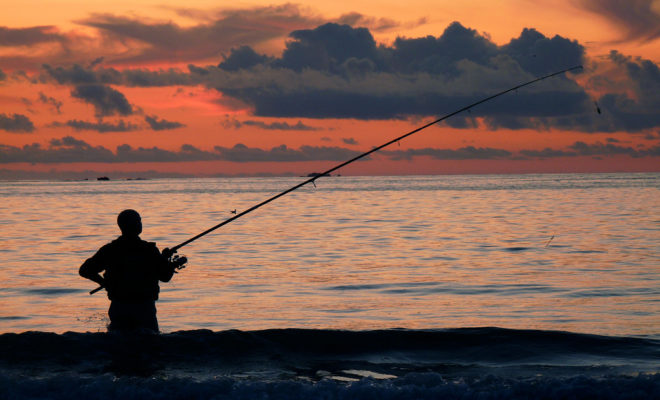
point(207, 88)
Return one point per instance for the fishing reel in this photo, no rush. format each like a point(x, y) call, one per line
point(178, 262)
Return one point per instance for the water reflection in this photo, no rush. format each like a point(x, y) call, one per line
point(354, 253)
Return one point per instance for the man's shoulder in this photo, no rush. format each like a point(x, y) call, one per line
point(123, 243)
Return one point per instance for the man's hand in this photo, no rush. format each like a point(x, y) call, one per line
point(167, 253)
point(178, 262)
point(98, 279)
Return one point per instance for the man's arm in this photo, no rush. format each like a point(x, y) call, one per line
point(92, 268)
point(164, 268)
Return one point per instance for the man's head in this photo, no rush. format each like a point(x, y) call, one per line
point(130, 223)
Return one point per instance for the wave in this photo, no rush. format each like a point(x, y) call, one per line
point(413, 386)
point(462, 345)
point(302, 363)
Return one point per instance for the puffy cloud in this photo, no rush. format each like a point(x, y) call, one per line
point(106, 100)
point(541, 55)
point(162, 124)
point(326, 47)
point(318, 76)
point(17, 123)
point(243, 57)
point(100, 126)
point(638, 19)
point(383, 95)
point(440, 55)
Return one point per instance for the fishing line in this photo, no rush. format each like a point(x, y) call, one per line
point(375, 149)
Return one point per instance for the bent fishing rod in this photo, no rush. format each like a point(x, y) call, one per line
point(375, 149)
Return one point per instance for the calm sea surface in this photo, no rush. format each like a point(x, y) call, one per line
point(578, 252)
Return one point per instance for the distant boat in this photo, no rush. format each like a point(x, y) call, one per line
point(313, 174)
point(102, 178)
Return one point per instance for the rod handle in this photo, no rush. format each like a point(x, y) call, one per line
point(95, 290)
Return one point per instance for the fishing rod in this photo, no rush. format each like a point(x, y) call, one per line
point(375, 149)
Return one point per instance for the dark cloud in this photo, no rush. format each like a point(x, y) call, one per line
point(3, 76)
point(243, 57)
point(638, 19)
point(464, 153)
point(632, 104)
point(67, 149)
point(319, 76)
point(279, 126)
point(72, 150)
point(596, 149)
point(100, 126)
point(282, 153)
point(51, 101)
point(106, 100)
point(126, 153)
point(541, 55)
point(13, 174)
point(96, 62)
point(16, 123)
point(10, 37)
point(547, 153)
point(652, 136)
point(350, 141)
point(609, 149)
point(326, 47)
point(337, 71)
point(77, 74)
point(160, 125)
point(440, 55)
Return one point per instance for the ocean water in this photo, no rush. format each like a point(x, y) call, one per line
point(517, 286)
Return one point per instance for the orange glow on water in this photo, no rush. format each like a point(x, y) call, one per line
point(354, 253)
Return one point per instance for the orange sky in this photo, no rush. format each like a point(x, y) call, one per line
point(207, 117)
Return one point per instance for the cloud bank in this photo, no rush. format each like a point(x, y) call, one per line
point(71, 150)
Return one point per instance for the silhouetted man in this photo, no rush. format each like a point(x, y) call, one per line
point(132, 268)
